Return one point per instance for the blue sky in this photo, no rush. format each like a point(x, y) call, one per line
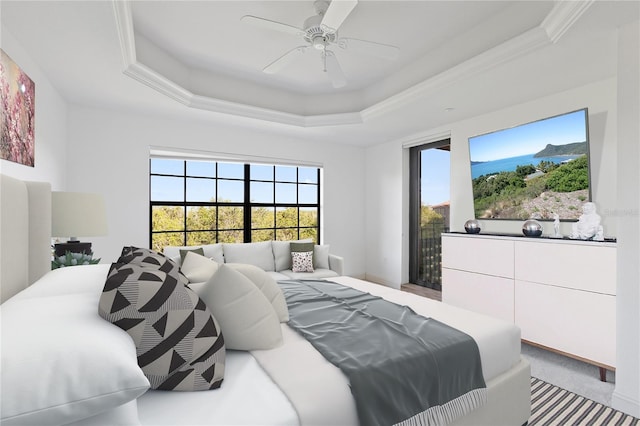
point(172, 189)
point(529, 138)
point(434, 176)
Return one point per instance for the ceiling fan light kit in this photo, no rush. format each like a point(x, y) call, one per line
point(320, 31)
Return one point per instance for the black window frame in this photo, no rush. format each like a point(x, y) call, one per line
point(246, 204)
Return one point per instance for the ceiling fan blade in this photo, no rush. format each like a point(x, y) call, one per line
point(272, 25)
point(379, 50)
point(333, 69)
point(336, 14)
point(284, 60)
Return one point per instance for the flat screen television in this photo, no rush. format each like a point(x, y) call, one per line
point(534, 170)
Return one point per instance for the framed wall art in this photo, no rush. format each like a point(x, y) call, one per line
point(18, 92)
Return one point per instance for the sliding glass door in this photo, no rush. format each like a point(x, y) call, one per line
point(429, 211)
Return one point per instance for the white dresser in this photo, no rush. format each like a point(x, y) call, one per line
point(560, 292)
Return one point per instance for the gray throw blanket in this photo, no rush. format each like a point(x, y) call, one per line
point(403, 368)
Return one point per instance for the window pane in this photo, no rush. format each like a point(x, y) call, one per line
point(160, 240)
point(261, 192)
point(286, 193)
point(230, 236)
point(262, 235)
point(285, 174)
point(262, 217)
point(286, 217)
point(307, 194)
point(308, 217)
point(201, 218)
point(167, 167)
point(260, 172)
point(231, 170)
point(200, 238)
point(309, 233)
point(230, 191)
point(307, 175)
point(201, 190)
point(287, 234)
point(201, 168)
point(167, 188)
point(167, 218)
point(230, 217)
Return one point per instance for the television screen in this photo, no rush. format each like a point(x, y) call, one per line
point(535, 170)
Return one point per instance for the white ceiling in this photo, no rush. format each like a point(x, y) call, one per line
point(197, 59)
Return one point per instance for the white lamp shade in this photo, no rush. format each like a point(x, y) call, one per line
point(77, 214)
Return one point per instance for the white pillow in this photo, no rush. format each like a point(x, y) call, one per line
point(282, 253)
point(321, 256)
point(212, 251)
point(246, 318)
point(61, 362)
point(258, 254)
point(267, 285)
point(198, 268)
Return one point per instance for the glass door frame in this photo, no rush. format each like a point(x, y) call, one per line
point(415, 204)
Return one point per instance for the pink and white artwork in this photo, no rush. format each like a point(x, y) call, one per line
point(18, 93)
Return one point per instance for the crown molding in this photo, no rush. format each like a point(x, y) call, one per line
point(124, 28)
point(507, 51)
point(563, 15)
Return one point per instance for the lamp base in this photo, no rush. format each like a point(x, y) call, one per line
point(73, 247)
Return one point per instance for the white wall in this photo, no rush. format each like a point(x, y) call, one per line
point(108, 153)
point(388, 175)
point(50, 119)
point(626, 396)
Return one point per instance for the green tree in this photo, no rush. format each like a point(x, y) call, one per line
point(572, 176)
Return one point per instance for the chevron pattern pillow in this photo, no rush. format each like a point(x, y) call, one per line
point(178, 341)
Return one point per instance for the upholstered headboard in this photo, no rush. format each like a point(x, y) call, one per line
point(25, 233)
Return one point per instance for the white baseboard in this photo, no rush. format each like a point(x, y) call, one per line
point(625, 404)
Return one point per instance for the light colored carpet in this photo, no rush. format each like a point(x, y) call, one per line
point(570, 374)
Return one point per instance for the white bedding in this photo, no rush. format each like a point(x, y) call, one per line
point(307, 378)
point(249, 395)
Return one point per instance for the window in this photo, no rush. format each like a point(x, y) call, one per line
point(206, 202)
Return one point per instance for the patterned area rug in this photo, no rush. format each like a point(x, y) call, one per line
point(554, 406)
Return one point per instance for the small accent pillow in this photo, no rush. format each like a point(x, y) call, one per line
point(178, 342)
point(246, 317)
point(301, 246)
point(267, 285)
point(151, 259)
point(282, 253)
point(183, 252)
point(302, 261)
point(198, 268)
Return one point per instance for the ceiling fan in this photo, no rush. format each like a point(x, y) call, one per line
point(320, 32)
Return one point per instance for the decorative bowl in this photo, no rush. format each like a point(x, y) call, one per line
point(532, 228)
point(472, 226)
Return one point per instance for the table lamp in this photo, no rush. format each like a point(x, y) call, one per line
point(77, 214)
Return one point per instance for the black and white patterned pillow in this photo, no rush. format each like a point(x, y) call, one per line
point(151, 259)
point(302, 261)
point(178, 341)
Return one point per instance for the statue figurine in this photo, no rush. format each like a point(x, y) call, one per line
point(556, 226)
point(588, 225)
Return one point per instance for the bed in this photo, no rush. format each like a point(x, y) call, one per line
point(290, 385)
